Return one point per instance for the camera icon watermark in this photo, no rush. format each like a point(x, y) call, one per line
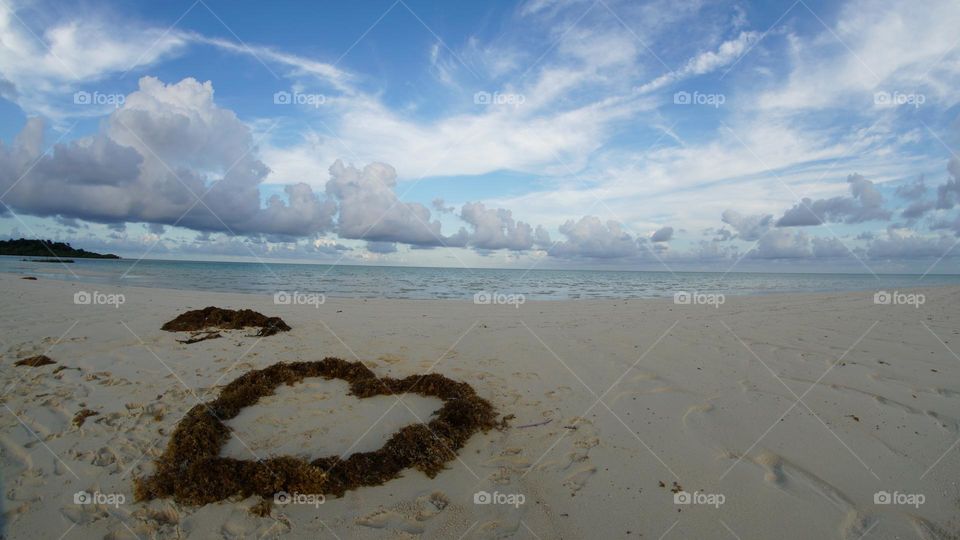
point(907, 499)
point(297, 298)
point(896, 99)
point(97, 298)
point(708, 499)
point(96, 497)
point(282, 498)
point(498, 298)
point(282, 97)
point(897, 298)
point(697, 98)
point(498, 98)
point(698, 298)
point(82, 97)
point(515, 500)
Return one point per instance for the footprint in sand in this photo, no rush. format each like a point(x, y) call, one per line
point(388, 519)
point(579, 478)
point(511, 458)
point(575, 463)
point(803, 484)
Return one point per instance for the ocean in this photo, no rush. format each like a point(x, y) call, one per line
point(426, 283)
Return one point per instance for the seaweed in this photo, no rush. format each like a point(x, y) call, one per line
point(225, 319)
point(191, 471)
point(35, 361)
point(262, 508)
point(82, 415)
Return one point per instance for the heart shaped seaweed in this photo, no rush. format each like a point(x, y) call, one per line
point(192, 472)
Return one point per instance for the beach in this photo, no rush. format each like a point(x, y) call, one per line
point(815, 415)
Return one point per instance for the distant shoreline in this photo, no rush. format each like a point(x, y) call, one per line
point(23, 247)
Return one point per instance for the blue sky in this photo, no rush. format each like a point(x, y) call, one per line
point(638, 135)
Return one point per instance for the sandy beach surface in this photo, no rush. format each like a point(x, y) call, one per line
point(782, 416)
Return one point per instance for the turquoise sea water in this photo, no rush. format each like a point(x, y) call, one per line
point(411, 282)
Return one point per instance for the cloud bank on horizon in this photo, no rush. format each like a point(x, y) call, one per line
point(657, 135)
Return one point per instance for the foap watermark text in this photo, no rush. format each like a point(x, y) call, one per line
point(897, 298)
point(510, 499)
point(282, 498)
point(698, 497)
point(896, 99)
point(82, 97)
point(697, 98)
point(96, 497)
point(282, 97)
point(498, 98)
point(498, 298)
point(698, 298)
point(905, 499)
point(97, 298)
point(297, 298)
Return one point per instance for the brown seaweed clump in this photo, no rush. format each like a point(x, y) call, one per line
point(225, 319)
point(35, 361)
point(82, 415)
point(192, 472)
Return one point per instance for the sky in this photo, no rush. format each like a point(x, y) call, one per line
point(659, 135)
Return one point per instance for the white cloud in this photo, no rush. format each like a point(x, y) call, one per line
point(782, 244)
point(495, 228)
point(370, 210)
point(873, 46)
point(591, 238)
point(42, 66)
point(166, 146)
point(727, 53)
point(663, 234)
point(864, 204)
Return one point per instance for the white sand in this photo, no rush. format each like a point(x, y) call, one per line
point(682, 399)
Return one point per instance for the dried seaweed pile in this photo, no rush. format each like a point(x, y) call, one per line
point(191, 471)
point(35, 361)
point(225, 319)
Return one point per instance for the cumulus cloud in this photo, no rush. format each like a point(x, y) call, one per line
point(917, 209)
point(713, 251)
point(303, 213)
point(168, 156)
point(591, 238)
point(723, 235)
point(663, 234)
point(790, 244)
point(864, 204)
point(749, 228)
point(782, 244)
point(829, 247)
point(912, 190)
point(234, 246)
point(495, 228)
point(328, 246)
point(441, 206)
point(369, 209)
point(947, 194)
point(903, 244)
